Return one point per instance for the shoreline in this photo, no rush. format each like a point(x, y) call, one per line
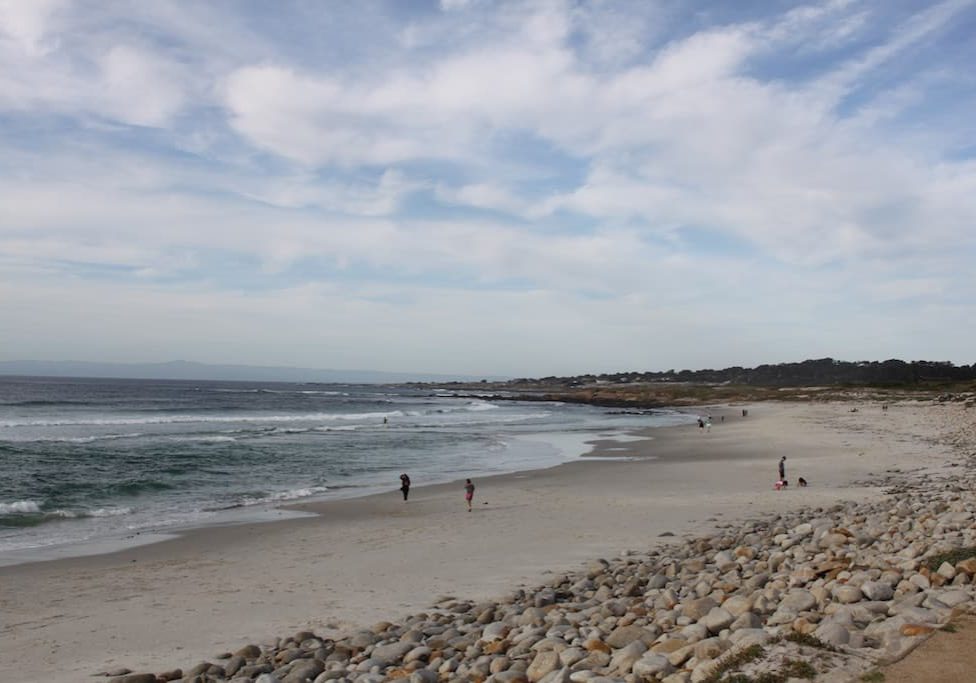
point(367, 559)
point(581, 447)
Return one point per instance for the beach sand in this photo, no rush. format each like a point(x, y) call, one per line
point(360, 561)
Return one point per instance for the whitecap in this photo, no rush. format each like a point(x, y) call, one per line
point(280, 496)
point(183, 419)
point(475, 406)
point(110, 512)
point(20, 507)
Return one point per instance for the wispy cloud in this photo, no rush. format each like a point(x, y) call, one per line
point(418, 186)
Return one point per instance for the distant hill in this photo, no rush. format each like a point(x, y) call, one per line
point(181, 369)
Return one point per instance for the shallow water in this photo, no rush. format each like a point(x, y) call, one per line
point(82, 460)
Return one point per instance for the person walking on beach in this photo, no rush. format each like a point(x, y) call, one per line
point(405, 485)
point(782, 468)
point(468, 492)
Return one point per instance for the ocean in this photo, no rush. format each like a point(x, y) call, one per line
point(85, 461)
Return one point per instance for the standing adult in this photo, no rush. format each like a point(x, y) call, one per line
point(468, 492)
point(782, 468)
point(405, 485)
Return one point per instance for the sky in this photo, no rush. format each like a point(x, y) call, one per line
point(475, 187)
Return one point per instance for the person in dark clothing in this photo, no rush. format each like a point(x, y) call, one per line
point(405, 485)
point(782, 468)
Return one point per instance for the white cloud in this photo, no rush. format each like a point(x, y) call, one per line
point(651, 186)
point(26, 24)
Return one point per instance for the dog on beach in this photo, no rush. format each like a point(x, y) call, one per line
point(802, 481)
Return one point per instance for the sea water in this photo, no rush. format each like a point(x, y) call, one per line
point(86, 460)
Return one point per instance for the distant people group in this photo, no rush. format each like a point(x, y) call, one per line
point(783, 482)
point(468, 489)
point(705, 423)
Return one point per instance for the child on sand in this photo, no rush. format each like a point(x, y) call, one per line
point(405, 485)
point(468, 492)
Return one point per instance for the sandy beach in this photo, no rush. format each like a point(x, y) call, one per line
point(364, 560)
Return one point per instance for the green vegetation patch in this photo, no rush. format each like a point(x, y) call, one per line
point(952, 557)
point(796, 668)
point(734, 661)
point(809, 641)
point(873, 677)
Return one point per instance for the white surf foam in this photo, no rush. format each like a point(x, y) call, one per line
point(184, 419)
point(21, 507)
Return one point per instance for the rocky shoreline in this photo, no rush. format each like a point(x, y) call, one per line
point(827, 594)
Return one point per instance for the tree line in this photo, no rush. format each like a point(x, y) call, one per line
point(817, 372)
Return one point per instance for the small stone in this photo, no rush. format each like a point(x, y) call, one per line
point(419, 653)
point(249, 652)
point(954, 598)
point(652, 665)
point(696, 609)
point(304, 672)
point(668, 646)
point(847, 594)
point(877, 590)
point(202, 667)
point(703, 671)
point(558, 676)
point(833, 633)
point(596, 645)
point(511, 676)
point(624, 635)
point(746, 620)
point(832, 540)
point(748, 637)
point(803, 625)
point(657, 581)
point(915, 630)
point(544, 663)
point(624, 658)
point(737, 605)
point(920, 581)
point(716, 620)
point(681, 655)
point(391, 653)
point(711, 648)
point(798, 600)
point(495, 631)
point(967, 566)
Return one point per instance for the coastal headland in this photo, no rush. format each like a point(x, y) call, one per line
point(656, 558)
